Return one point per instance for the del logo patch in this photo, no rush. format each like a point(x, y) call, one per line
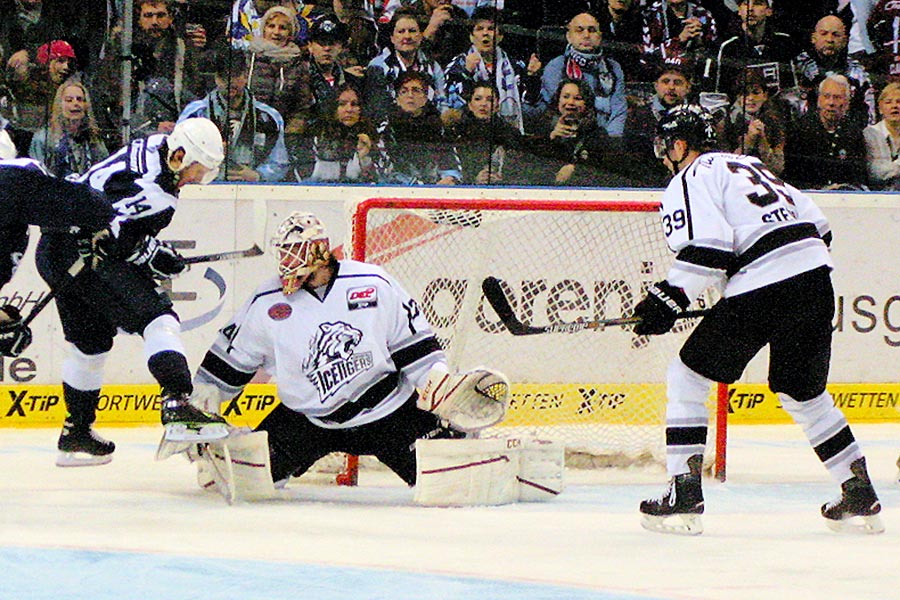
point(362, 297)
point(280, 311)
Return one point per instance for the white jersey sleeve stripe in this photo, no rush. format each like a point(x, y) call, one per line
point(223, 373)
point(703, 256)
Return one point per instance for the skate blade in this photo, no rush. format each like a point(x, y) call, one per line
point(185, 432)
point(81, 459)
point(859, 525)
point(673, 524)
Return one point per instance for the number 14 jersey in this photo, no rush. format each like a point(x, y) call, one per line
point(734, 224)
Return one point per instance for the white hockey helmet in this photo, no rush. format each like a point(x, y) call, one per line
point(202, 143)
point(301, 246)
point(7, 148)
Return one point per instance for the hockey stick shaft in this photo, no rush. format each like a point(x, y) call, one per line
point(495, 296)
point(76, 268)
point(259, 240)
point(254, 250)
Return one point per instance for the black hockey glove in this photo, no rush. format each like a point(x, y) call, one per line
point(160, 258)
point(14, 336)
point(659, 309)
point(95, 247)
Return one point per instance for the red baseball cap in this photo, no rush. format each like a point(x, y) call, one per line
point(55, 49)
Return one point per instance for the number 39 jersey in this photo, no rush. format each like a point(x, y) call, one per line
point(347, 357)
point(734, 224)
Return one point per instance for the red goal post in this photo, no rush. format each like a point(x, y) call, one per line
point(601, 393)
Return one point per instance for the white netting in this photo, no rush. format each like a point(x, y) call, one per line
point(602, 393)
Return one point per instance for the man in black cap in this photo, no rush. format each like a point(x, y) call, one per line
point(328, 39)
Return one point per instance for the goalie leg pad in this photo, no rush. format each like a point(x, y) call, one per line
point(470, 401)
point(542, 464)
point(466, 473)
point(238, 467)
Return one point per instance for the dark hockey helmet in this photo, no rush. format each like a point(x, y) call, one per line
point(689, 122)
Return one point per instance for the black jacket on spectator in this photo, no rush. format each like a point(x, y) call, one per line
point(816, 158)
point(597, 157)
point(417, 150)
point(480, 144)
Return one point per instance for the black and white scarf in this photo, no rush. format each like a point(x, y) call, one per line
point(580, 63)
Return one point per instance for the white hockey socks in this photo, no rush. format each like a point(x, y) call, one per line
point(687, 417)
point(823, 423)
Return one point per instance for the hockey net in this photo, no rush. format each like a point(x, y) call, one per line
point(601, 393)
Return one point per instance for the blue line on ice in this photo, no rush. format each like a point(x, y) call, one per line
point(97, 575)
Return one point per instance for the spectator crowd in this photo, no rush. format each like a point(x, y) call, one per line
point(470, 92)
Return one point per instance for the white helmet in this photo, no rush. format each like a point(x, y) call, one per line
point(202, 143)
point(7, 148)
point(301, 246)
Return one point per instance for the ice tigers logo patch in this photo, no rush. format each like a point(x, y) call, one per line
point(332, 360)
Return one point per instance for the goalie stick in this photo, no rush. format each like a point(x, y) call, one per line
point(495, 296)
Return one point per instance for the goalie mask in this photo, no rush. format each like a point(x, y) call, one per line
point(301, 246)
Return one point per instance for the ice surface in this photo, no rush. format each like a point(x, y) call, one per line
point(138, 529)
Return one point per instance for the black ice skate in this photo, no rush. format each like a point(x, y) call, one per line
point(683, 498)
point(184, 422)
point(82, 447)
point(856, 511)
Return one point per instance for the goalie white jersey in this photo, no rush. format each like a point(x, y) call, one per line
point(728, 218)
point(344, 359)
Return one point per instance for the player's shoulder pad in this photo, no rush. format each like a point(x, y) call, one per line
point(354, 269)
point(268, 287)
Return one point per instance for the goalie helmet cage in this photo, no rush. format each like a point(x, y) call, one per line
point(601, 393)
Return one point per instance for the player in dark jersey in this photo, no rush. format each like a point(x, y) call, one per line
point(141, 181)
point(735, 225)
point(30, 195)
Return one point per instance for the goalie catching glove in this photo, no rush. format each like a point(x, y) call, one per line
point(659, 310)
point(159, 257)
point(469, 401)
point(15, 337)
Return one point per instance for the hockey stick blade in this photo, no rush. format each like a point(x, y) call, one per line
point(495, 296)
point(254, 250)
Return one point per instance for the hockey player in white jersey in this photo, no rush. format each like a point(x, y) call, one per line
point(141, 181)
point(734, 224)
point(348, 348)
